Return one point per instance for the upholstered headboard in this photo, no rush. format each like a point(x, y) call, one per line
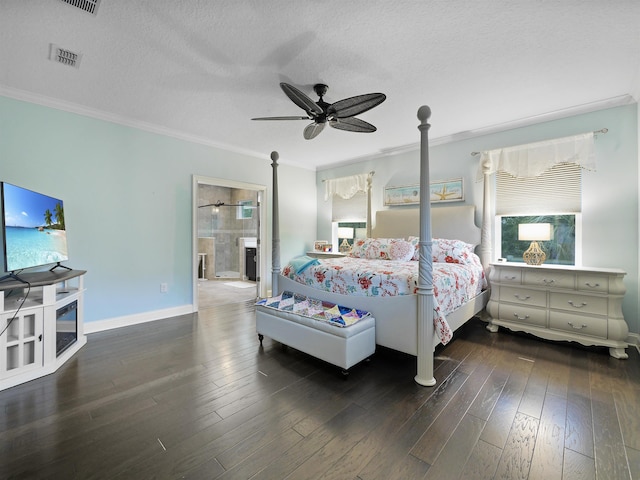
point(456, 222)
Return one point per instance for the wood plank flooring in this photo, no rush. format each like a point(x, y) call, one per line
point(196, 397)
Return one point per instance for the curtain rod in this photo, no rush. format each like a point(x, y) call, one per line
point(372, 172)
point(595, 132)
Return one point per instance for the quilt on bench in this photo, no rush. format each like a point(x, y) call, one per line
point(302, 305)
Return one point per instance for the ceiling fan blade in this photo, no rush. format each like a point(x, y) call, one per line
point(281, 118)
point(313, 130)
point(301, 99)
point(352, 106)
point(352, 124)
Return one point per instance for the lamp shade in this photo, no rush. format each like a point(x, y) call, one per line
point(345, 232)
point(534, 231)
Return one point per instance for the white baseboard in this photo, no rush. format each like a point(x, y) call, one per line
point(634, 339)
point(128, 320)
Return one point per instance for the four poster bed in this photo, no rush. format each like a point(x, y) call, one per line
point(405, 321)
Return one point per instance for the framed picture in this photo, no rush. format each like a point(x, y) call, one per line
point(446, 191)
point(318, 245)
point(406, 195)
point(439, 191)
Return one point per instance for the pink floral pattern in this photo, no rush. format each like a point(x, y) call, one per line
point(382, 249)
point(453, 283)
point(447, 251)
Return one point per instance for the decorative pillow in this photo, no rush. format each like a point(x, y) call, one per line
point(414, 241)
point(446, 251)
point(383, 249)
point(452, 251)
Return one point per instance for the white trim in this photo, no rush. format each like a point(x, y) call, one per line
point(633, 339)
point(501, 127)
point(222, 182)
point(119, 119)
point(136, 318)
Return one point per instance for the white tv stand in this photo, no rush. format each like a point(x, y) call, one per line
point(31, 346)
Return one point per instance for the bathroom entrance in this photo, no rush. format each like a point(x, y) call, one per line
point(227, 219)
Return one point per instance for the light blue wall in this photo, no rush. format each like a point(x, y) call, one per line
point(127, 198)
point(610, 195)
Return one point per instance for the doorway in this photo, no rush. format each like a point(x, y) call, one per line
point(228, 257)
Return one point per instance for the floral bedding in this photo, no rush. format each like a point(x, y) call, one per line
point(453, 283)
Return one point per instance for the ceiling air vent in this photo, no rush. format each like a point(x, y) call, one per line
point(66, 57)
point(89, 6)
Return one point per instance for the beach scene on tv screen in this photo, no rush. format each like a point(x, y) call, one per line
point(34, 229)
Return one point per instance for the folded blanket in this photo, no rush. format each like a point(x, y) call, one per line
point(313, 308)
point(302, 262)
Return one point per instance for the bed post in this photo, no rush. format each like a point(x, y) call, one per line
point(425, 269)
point(275, 231)
point(486, 237)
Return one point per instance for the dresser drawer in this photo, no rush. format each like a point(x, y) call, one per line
point(593, 283)
point(578, 304)
point(509, 275)
point(549, 279)
point(523, 296)
point(522, 314)
point(595, 327)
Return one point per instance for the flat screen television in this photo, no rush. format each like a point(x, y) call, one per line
point(33, 229)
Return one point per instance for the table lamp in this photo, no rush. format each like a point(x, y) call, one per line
point(345, 233)
point(534, 232)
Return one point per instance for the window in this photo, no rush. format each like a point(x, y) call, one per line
point(553, 197)
point(350, 208)
point(348, 214)
point(561, 249)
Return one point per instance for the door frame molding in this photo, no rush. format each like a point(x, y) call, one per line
point(262, 228)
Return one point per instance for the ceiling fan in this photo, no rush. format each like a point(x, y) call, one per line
point(340, 115)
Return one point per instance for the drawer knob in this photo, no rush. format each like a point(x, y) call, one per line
point(575, 305)
point(522, 298)
point(548, 281)
point(577, 328)
point(592, 285)
point(515, 314)
point(509, 277)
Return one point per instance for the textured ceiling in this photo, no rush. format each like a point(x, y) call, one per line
point(202, 69)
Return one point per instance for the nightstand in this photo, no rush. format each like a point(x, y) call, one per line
point(578, 304)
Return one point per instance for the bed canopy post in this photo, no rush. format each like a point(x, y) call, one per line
point(275, 244)
point(425, 330)
point(486, 237)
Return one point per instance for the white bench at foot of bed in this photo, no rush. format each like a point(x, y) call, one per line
point(340, 346)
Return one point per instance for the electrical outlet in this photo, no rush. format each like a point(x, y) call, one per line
point(164, 288)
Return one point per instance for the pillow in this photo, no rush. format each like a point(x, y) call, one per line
point(416, 248)
point(451, 251)
point(447, 251)
point(383, 249)
point(300, 263)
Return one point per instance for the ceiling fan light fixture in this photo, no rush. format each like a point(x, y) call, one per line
point(339, 115)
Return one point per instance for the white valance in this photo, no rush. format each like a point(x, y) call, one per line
point(347, 187)
point(533, 159)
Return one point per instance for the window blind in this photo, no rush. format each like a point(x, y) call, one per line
point(558, 190)
point(353, 209)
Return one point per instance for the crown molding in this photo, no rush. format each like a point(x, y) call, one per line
point(501, 127)
point(77, 109)
point(57, 104)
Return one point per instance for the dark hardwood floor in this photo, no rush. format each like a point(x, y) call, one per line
point(196, 397)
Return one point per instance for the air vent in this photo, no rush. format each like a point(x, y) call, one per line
point(66, 57)
point(89, 6)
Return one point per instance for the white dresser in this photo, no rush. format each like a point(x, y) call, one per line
point(578, 304)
